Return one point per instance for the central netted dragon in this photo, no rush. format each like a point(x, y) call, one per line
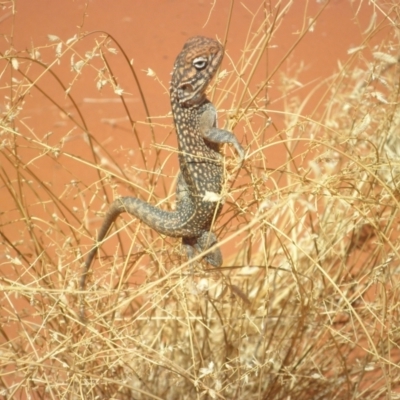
point(201, 166)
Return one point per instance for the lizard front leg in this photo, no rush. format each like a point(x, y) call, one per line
point(209, 131)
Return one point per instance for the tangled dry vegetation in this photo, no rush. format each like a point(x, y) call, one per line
point(305, 307)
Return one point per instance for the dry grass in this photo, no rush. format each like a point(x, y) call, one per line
point(307, 305)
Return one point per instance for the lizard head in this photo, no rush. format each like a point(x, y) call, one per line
point(194, 68)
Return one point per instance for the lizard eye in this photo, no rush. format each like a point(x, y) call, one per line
point(200, 63)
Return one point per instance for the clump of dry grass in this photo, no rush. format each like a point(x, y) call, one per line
point(307, 304)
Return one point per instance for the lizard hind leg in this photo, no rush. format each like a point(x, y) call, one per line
point(204, 242)
point(200, 244)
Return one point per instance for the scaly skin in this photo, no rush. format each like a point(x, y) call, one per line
point(201, 168)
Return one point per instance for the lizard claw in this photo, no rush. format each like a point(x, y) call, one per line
point(241, 152)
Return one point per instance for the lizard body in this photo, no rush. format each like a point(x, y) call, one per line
point(200, 161)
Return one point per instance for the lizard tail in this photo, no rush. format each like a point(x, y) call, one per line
point(177, 223)
point(170, 223)
point(110, 217)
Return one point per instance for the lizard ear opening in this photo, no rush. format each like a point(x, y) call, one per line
point(186, 88)
point(186, 93)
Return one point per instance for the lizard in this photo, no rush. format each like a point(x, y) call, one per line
point(200, 159)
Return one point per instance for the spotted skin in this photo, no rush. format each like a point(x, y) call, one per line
point(201, 168)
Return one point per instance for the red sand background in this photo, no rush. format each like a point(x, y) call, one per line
point(152, 33)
